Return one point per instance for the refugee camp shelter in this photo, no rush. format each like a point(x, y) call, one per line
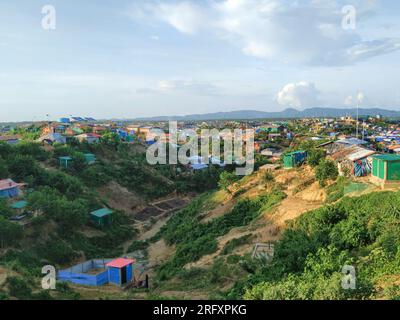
point(90, 158)
point(353, 160)
point(90, 138)
point(64, 120)
point(9, 188)
point(65, 161)
point(53, 138)
point(294, 159)
point(101, 217)
point(386, 168)
point(20, 215)
point(331, 147)
point(120, 271)
point(11, 140)
point(19, 205)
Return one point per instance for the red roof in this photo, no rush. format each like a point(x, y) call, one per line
point(8, 184)
point(120, 263)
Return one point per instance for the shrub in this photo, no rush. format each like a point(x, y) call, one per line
point(326, 170)
point(18, 288)
point(315, 156)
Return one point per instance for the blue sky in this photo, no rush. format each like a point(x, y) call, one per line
point(127, 59)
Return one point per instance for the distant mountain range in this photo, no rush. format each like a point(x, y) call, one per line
point(285, 114)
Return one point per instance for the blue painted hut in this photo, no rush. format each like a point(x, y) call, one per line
point(120, 271)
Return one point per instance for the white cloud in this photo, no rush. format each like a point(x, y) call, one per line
point(182, 86)
point(349, 101)
point(298, 95)
point(186, 17)
point(306, 32)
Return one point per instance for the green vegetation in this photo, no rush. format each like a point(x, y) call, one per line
point(315, 156)
point(234, 243)
point(336, 190)
point(326, 170)
point(362, 232)
point(226, 180)
point(60, 200)
point(194, 239)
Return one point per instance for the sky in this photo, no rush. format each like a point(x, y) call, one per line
point(137, 58)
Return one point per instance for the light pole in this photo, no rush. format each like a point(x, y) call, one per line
point(360, 98)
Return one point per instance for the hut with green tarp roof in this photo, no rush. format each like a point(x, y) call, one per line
point(65, 161)
point(90, 158)
point(294, 159)
point(101, 217)
point(386, 169)
point(19, 205)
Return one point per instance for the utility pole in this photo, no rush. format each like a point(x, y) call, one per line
point(363, 131)
point(358, 105)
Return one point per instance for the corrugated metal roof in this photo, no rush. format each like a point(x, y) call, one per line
point(360, 154)
point(352, 141)
point(120, 263)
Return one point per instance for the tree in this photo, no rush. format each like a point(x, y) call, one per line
point(226, 179)
point(5, 210)
point(111, 139)
point(19, 288)
point(9, 232)
point(315, 156)
point(326, 170)
point(22, 166)
point(3, 169)
point(79, 161)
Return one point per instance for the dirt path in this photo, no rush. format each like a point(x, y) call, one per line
point(155, 228)
point(268, 229)
point(159, 252)
point(292, 208)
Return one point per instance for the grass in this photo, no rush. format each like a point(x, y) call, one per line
point(237, 242)
point(194, 239)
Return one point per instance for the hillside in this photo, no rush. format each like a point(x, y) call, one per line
point(190, 269)
point(58, 229)
point(194, 234)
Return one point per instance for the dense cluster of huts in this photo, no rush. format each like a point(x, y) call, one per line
point(353, 158)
